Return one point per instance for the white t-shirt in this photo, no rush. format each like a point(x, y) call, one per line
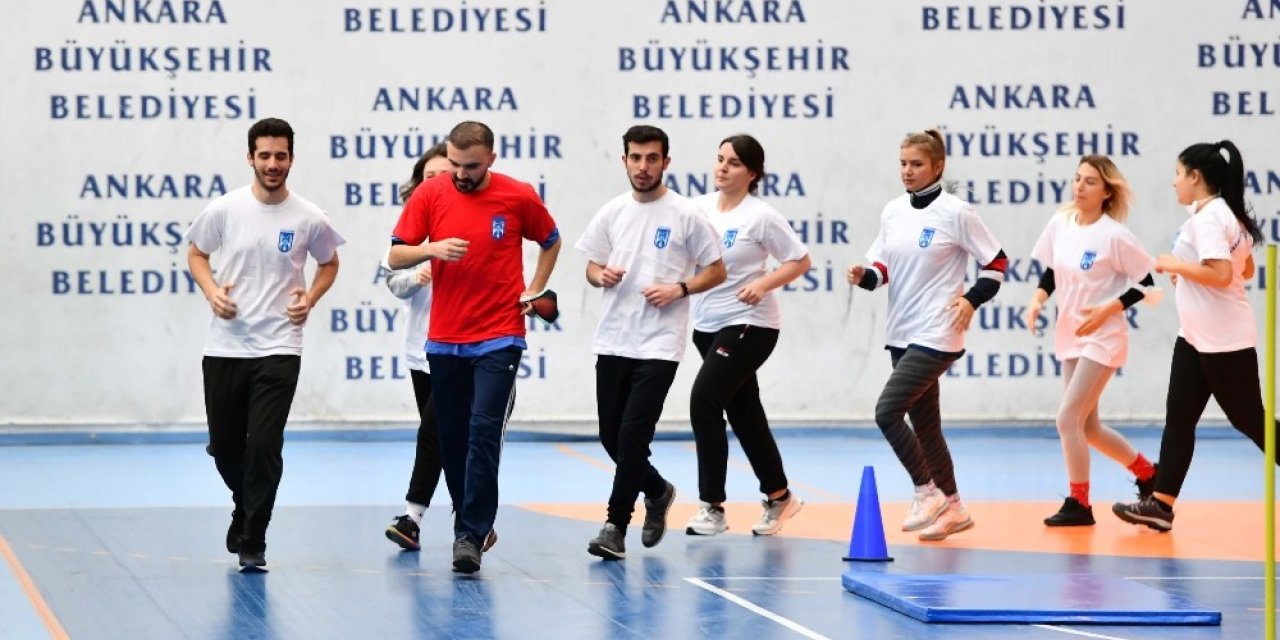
point(750, 233)
point(1215, 319)
point(261, 249)
point(403, 283)
point(927, 252)
point(657, 242)
point(1092, 265)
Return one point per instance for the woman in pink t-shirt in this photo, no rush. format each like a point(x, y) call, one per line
point(1091, 258)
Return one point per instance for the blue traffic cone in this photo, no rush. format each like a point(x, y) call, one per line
point(866, 541)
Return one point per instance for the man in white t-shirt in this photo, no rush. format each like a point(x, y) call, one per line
point(643, 248)
point(262, 234)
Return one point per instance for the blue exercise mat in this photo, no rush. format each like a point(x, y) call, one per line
point(1050, 598)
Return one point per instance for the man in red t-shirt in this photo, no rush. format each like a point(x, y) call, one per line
point(475, 221)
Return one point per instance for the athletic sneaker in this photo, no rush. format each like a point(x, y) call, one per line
point(775, 513)
point(709, 521)
point(466, 556)
point(234, 531)
point(253, 562)
point(1148, 486)
point(404, 532)
point(490, 540)
point(610, 544)
point(1072, 514)
point(925, 508)
point(952, 520)
point(1148, 511)
point(655, 517)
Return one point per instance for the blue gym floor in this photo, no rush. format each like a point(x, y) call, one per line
point(125, 541)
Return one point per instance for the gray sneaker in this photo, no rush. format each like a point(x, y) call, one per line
point(610, 544)
point(708, 521)
point(775, 513)
point(252, 561)
point(1147, 511)
point(655, 517)
point(466, 555)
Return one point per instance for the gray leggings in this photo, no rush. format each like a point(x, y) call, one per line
point(912, 390)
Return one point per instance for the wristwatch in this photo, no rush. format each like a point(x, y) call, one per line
point(684, 290)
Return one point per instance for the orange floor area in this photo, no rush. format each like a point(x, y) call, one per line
point(1207, 531)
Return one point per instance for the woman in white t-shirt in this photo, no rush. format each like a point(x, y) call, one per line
point(927, 240)
point(1090, 259)
point(1215, 353)
point(736, 327)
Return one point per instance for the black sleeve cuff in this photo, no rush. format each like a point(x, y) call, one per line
point(870, 279)
point(1135, 295)
point(981, 291)
point(1131, 297)
point(1046, 281)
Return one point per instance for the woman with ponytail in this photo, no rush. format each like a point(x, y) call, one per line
point(1215, 353)
point(926, 242)
point(735, 328)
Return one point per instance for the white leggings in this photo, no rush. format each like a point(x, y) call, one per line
point(1078, 424)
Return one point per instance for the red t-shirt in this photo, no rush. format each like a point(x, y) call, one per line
point(478, 297)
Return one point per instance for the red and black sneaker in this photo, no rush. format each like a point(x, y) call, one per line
point(404, 532)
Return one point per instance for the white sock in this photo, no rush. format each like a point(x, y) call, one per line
point(926, 488)
point(414, 511)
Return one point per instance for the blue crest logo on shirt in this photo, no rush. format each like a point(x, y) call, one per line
point(730, 237)
point(285, 243)
point(1086, 260)
point(662, 238)
point(499, 227)
point(926, 237)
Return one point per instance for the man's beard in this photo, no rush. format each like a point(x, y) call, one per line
point(467, 185)
point(261, 176)
point(657, 182)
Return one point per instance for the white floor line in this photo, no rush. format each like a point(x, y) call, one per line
point(800, 629)
point(1076, 633)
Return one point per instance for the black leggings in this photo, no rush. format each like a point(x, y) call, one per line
point(912, 390)
point(726, 383)
point(426, 460)
point(1232, 379)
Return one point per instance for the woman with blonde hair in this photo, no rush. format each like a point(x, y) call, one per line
point(926, 241)
point(1090, 259)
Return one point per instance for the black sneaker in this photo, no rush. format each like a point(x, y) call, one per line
point(610, 544)
point(1147, 511)
point(234, 531)
point(466, 555)
point(1148, 486)
point(253, 562)
point(1072, 514)
point(404, 532)
point(655, 517)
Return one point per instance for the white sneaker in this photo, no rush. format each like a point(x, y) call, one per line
point(709, 521)
point(925, 508)
point(953, 520)
point(775, 513)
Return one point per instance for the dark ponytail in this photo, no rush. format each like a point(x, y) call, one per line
point(1223, 176)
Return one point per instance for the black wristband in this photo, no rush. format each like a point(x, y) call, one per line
point(684, 290)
